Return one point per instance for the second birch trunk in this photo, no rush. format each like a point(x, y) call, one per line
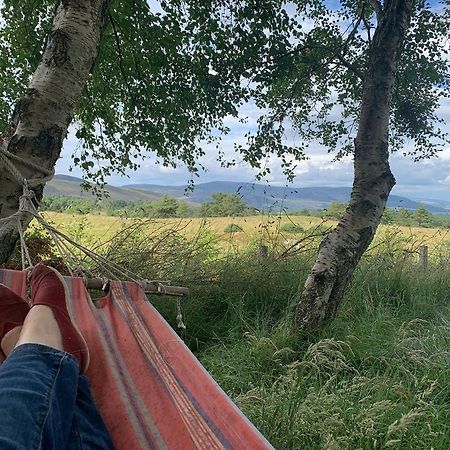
point(341, 250)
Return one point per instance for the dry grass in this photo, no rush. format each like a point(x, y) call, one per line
point(376, 378)
point(262, 228)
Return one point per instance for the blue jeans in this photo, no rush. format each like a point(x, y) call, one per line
point(46, 404)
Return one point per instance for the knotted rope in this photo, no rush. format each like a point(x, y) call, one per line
point(24, 253)
point(27, 205)
point(180, 323)
point(7, 158)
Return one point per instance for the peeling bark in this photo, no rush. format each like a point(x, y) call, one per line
point(341, 250)
point(41, 117)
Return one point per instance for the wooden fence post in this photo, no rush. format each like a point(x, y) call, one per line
point(423, 257)
point(263, 251)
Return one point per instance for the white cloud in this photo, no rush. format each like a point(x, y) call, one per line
point(426, 179)
point(445, 155)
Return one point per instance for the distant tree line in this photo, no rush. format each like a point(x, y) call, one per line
point(221, 205)
point(421, 217)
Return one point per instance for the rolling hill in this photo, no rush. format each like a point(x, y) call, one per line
point(260, 196)
point(71, 186)
point(264, 196)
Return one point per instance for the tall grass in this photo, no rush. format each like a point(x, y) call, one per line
point(377, 377)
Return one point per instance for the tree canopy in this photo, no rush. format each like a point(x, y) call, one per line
point(226, 205)
point(168, 75)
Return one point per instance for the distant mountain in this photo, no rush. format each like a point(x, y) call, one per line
point(264, 196)
point(434, 202)
point(71, 186)
point(260, 196)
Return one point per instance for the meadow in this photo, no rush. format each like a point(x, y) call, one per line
point(267, 229)
point(377, 377)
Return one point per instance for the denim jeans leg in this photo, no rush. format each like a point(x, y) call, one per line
point(38, 388)
point(88, 430)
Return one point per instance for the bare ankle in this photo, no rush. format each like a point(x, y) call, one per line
point(10, 339)
point(40, 327)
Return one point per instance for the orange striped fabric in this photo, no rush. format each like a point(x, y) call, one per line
point(151, 390)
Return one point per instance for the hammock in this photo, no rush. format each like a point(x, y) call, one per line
point(150, 389)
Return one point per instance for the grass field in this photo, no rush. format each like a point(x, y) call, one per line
point(377, 377)
point(265, 229)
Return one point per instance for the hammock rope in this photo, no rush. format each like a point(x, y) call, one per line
point(24, 253)
point(27, 205)
point(61, 239)
point(7, 158)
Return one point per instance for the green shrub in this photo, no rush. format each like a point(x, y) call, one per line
point(233, 228)
point(291, 228)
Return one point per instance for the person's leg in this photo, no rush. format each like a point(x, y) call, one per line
point(49, 297)
point(10, 339)
point(40, 327)
point(38, 388)
point(13, 310)
point(39, 379)
point(38, 385)
point(88, 429)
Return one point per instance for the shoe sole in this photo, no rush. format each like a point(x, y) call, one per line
point(19, 301)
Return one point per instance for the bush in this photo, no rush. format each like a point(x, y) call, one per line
point(291, 228)
point(233, 228)
point(41, 249)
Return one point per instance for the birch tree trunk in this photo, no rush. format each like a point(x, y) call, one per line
point(341, 250)
point(41, 117)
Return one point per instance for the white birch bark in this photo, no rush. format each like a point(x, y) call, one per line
point(41, 117)
point(341, 250)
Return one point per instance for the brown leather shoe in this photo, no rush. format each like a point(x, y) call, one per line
point(49, 288)
point(13, 310)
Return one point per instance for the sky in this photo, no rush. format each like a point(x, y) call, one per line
point(428, 179)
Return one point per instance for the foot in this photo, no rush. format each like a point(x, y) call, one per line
point(13, 310)
point(48, 288)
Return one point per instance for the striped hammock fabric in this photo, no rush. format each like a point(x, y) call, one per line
point(151, 390)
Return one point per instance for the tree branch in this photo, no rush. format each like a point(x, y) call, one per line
point(119, 54)
point(339, 53)
point(367, 25)
point(377, 7)
point(350, 66)
point(352, 33)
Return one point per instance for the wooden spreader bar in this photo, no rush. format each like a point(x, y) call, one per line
point(98, 284)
